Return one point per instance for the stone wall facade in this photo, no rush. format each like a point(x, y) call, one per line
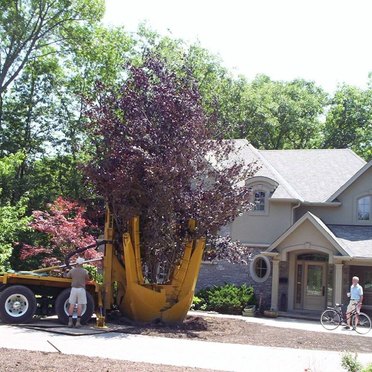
point(222, 272)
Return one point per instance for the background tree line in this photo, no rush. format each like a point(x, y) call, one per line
point(52, 53)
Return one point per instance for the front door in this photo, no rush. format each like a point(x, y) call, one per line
point(314, 285)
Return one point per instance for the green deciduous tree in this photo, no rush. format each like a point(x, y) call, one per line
point(12, 218)
point(12, 223)
point(47, 69)
point(280, 115)
point(349, 120)
point(27, 26)
point(30, 110)
point(270, 114)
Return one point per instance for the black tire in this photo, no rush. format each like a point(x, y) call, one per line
point(364, 323)
point(330, 319)
point(17, 304)
point(61, 310)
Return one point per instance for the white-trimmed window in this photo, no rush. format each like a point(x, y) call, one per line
point(259, 203)
point(261, 190)
point(260, 200)
point(364, 208)
point(260, 268)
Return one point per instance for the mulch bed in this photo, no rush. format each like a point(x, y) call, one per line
point(194, 328)
point(241, 332)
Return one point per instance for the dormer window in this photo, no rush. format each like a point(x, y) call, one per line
point(262, 188)
point(364, 208)
point(259, 201)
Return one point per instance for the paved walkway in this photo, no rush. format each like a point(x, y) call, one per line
point(181, 352)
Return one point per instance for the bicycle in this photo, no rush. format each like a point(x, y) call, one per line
point(332, 318)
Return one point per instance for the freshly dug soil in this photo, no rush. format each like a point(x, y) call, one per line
point(240, 332)
point(22, 360)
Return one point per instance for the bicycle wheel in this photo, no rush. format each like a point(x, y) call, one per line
point(364, 323)
point(330, 319)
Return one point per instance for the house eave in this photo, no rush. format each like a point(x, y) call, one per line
point(306, 203)
point(255, 245)
point(284, 200)
point(354, 260)
point(322, 204)
point(341, 259)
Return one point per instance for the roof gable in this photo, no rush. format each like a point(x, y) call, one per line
point(244, 152)
point(320, 226)
point(350, 181)
point(284, 190)
point(314, 175)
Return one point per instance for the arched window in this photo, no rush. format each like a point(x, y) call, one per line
point(262, 188)
point(364, 208)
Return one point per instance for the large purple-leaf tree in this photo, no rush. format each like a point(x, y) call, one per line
point(157, 155)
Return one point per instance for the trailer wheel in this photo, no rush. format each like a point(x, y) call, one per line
point(17, 304)
point(62, 305)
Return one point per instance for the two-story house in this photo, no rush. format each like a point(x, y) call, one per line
point(310, 229)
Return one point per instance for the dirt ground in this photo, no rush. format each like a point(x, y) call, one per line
point(22, 360)
point(195, 328)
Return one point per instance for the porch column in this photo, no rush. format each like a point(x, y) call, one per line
point(338, 282)
point(275, 285)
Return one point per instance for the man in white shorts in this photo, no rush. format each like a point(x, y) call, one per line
point(356, 299)
point(78, 295)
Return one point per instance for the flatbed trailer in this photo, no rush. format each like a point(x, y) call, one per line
point(25, 294)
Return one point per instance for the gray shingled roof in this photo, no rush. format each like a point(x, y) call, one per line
point(306, 175)
point(314, 174)
point(356, 239)
point(248, 154)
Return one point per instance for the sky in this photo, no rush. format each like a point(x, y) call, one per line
point(327, 41)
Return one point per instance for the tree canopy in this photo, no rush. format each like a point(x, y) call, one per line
point(157, 156)
point(349, 121)
point(52, 53)
point(63, 228)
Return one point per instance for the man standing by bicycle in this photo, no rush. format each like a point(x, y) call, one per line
point(356, 300)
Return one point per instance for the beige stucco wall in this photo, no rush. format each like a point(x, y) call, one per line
point(346, 213)
point(307, 233)
point(262, 229)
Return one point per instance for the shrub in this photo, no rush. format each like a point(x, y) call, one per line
point(350, 362)
point(94, 273)
point(198, 303)
point(226, 299)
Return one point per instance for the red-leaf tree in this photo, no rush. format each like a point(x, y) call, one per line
point(64, 228)
point(157, 155)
